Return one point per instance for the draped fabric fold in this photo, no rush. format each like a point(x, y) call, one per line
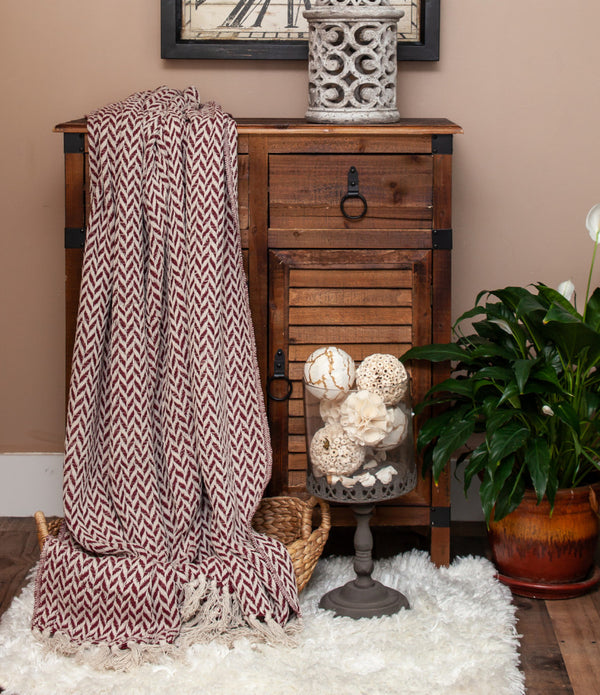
point(167, 447)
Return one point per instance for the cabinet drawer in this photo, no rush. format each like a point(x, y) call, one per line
point(305, 191)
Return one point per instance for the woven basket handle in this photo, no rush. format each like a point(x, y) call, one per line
point(307, 516)
point(42, 528)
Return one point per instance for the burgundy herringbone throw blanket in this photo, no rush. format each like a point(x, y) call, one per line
point(167, 452)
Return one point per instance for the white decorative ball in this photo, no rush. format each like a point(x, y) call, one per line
point(399, 428)
point(364, 417)
point(332, 452)
point(330, 372)
point(385, 375)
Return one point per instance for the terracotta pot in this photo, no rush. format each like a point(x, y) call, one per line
point(549, 556)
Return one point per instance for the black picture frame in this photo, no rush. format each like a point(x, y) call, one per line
point(174, 47)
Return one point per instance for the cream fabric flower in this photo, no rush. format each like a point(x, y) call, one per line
point(399, 422)
point(330, 411)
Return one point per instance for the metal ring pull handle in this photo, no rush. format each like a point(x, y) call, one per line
point(353, 193)
point(279, 375)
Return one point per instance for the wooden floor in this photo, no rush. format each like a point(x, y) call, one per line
point(560, 640)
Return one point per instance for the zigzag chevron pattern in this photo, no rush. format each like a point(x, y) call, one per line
point(168, 451)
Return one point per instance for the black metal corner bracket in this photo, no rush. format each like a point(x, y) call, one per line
point(439, 517)
point(441, 238)
point(74, 237)
point(74, 143)
point(441, 144)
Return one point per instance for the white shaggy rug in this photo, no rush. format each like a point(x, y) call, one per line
point(458, 638)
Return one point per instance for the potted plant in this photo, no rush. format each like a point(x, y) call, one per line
point(521, 411)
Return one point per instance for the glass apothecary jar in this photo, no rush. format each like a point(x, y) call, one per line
point(360, 447)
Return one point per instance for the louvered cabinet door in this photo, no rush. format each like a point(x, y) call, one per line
point(363, 301)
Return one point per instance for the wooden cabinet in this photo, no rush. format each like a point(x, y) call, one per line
point(370, 273)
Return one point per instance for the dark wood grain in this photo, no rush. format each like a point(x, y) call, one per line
point(575, 623)
point(18, 553)
point(541, 657)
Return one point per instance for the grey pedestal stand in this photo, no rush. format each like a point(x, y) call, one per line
point(363, 597)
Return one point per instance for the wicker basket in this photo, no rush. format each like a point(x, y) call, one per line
point(289, 519)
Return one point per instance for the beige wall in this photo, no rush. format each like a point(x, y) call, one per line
point(521, 76)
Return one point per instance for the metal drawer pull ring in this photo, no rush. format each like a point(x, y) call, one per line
point(279, 375)
point(353, 192)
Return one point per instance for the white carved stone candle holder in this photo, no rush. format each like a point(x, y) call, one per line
point(352, 63)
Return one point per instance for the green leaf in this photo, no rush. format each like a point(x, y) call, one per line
point(572, 336)
point(507, 440)
point(559, 313)
point(502, 374)
point(592, 312)
point(568, 415)
point(537, 459)
point(543, 387)
point(522, 371)
point(436, 352)
point(478, 461)
point(511, 296)
point(434, 401)
point(546, 373)
point(456, 435)
point(486, 350)
point(498, 418)
point(509, 497)
point(461, 387)
point(552, 486)
point(592, 400)
point(551, 296)
point(501, 329)
point(492, 483)
point(433, 427)
point(469, 314)
point(530, 304)
point(511, 395)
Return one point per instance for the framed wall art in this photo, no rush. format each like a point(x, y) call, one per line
point(275, 29)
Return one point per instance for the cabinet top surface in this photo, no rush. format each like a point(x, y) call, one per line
point(299, 126)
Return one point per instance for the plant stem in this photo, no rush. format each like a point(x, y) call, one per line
point(589, 282)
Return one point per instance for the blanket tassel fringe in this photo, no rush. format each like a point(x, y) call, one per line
point(208, 614)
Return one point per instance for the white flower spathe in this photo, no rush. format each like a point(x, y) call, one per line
point(592, 222)
point(364, 417)
point(567, 289)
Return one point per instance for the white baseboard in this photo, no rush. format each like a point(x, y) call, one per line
point(29, 482)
